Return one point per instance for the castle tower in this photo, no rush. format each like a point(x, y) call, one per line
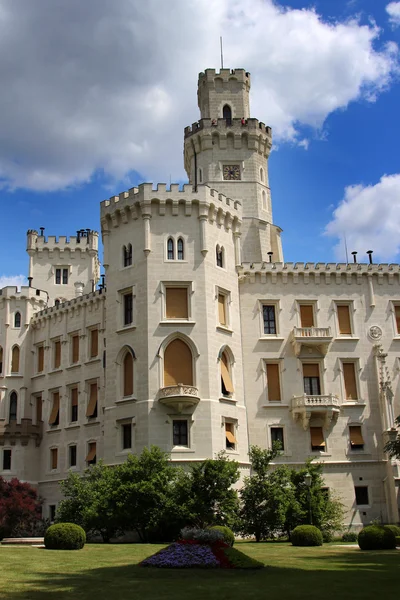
point(229, 151)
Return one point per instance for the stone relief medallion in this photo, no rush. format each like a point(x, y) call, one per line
point(375, 333)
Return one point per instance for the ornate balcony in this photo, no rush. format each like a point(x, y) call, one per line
point(317, 337)
point(24, 431)
point(304, 407)
point(179, 396)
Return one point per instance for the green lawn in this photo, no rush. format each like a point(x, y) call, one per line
point(110, 572)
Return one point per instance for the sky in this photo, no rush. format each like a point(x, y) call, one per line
point(95, 96)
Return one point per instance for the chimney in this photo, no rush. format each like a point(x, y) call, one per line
point(270, 256)
point(41, 231)
point(369, 252)
point(78, 289)
point(354, 257)
point(30, 281)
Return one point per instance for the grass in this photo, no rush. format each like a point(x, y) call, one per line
point(110, 571)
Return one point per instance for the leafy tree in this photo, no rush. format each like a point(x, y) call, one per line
point(392, 447)
point(20, 507)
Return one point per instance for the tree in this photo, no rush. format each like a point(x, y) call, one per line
point(392, 447)
point(20, 507)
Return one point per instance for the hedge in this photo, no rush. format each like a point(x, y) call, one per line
point(306, 535)
point(228, 534)
point(64, 536)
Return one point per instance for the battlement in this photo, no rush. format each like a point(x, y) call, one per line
point(251, 126)
point(25, 292)
point(87, 240)
point(63, 306)
point(209, 75)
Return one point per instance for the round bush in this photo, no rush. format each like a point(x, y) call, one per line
point(374, 537)
point(229, 537)
point(394, 528)
point(397, 540)
point(306, 535)
point(64, 536)
point(349, 536)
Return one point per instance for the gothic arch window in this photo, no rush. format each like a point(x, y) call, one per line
point(226, 362)
point(220, 256)
point(200, 175)
point(17, 319)
point(127, 255)
point(1, 360)
point(180, 247)
point(127, 373)
point(15, 360)
point(170, 249)
point(178, 363)
point(264, 200)
point(261, 174)
point(13, 406)
point(227, 114)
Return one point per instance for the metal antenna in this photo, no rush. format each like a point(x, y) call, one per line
point(345, 247)
point(222, 53)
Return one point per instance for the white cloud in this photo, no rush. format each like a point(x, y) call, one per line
point(393, 10)
point(103, 85)
point(369, 216)
point(14, 280)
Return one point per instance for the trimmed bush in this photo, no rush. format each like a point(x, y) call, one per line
point(349, 536)
point(394, 528)
point(64, 536)
point(202, 536)
point(229, 537)
point(306, 535)
point(397, 540)
point(375, 537)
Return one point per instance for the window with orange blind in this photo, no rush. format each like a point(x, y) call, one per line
point(317, 439)
point(53, 458)
point(397, 317)
point(40, 359)
point(273, 382)
point(91, 456)
point(94, 343)
point(356, 437)
point(75, 348)
point(15, 360)
point(222, 309)
point(226, 380)
point(176, 303)
point(74, 404)
point(230, 439)
point(55, 409)
point(178, 364)
point(91, 410)
point(344, 321)
point(307, 315)
point(128, 374)
point(311, 380)
point(350, 383)
point(57, 354)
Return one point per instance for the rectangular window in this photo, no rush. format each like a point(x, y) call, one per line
point(307, 315)
point(58, 276)
point(317, 439)
point(277, 436)
point(350, 384)
point(39, 411)
point(55, 410)
point(75, 348)
point(180, 431)
point(311, 380)
point(126, 436)
point(343, 313)
point(269, 319)
point(397, 317)
point(273, 382)
point(40, 359)
point(91, 456)
point(356, 437)
point(57, 354)
point(91, 411)
point(222, 309)
point(52, 512)
point(94, 343)
point(176, 303)
point(65, 276)
point(227, 388)
point(53, 458)
point(362, 497)
point(72, 456)
point(128, 309)
point(74, 404)
point(230, 440)
point(6, 460)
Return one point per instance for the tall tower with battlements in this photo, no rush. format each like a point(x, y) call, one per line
point(228, 151)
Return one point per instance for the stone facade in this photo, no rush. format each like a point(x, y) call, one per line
point(205, 340)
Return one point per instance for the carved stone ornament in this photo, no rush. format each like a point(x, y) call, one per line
point(375, 333)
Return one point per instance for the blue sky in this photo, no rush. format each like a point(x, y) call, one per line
point(95, 96)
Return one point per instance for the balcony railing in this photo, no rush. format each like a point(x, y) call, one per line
point(315, 401)
point(179, 396)
point(319, 337)
point(316, 332)
point(304, 407)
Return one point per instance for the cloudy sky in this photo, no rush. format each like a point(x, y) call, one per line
point(95, 96)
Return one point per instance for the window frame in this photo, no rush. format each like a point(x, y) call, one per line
point(230, 426)
point(73, 408)
point(13, 416)
point(40, 358)
point(9, 460)
point(320, 376)
point(226, 294)
point(282, 428)
point(229, 366)
point(122, 293)
point(12, 370)
point(278, 364)
point(356, 447)
point(70, 446)
point(95, 412)
point(172, 250)
point(322, 448)
point(178, 445)
point(220, 256)
point(126, 426)
point(350, 306)
point(313, 304)
point(17, 319)
point(56, 422)
point(91, 330)
point(54, 452)
point(89, 446)
point(164, 285)
point(396, 329)
point(356, 367)
point(276, 304)
point(127, 255)
point(61, 275)
point(54, 343)
point(73, 335)
point(365, 487)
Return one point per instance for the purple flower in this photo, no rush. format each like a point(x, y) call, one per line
point(180, 556)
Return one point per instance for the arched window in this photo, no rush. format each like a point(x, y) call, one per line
point(264, 200)
point(200, 175)
point(15, 360)
point(180, 249)
point(227, 114)
point(17, 319)
point(127, 255)
point(178, 364)
point(1, 360)
point(127, 366)
point(170, 249)
point(226, 379)
point(220, 257)
point(261, 174)
point(13, 406)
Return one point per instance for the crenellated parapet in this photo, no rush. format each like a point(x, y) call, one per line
point(87, 241)
point(63, 307)
point(24, 293)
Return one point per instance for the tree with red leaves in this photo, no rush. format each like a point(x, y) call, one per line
point(20, 507)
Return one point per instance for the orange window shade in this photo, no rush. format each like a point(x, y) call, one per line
point(15, 360)
point(128, 374)
point(356, 438)
point(226, 378)
point(57, 354)
point(397, 315)
point(178, 364)
point(310, 370)
point(222, 309)
point(176, 303)
point(317, 436)
point(54, 458)
point(75, 348)
point(307, 315)
point(230, 437)
point(38, 408)
point(91, 409)
point(92, 452)
point(55, 408)
point(94, 343)
point(273, 382)
point(350, 384)
point(40, 359)
point(74, 396)
point(343, 313)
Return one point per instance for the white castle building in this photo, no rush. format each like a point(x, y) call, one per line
point(204, 338)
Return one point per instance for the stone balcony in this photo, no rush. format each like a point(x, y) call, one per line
point(304, 407)
point(317, 337)
point(179, 396)
point(22, 432)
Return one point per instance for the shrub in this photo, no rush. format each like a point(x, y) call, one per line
point(349, 536)
point(64, 536)
point(229, 537)
point(394, 528)
point(238, 560)
point(327, 536)
point(306, 535)
point(397, 540)
point(375, 537)
point(202, 536)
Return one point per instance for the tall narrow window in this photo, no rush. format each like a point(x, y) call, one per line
point(13, 406)
point(226, 380)
point(230, 439)
point(180, 432)
point(227, 114)
point(350, 384)
point(361, 492)
point(75, 348)
point(356, 437)
point(72, 456)
point(261, 174)
point(128, 374)
point(220, 257)
point(317, 439)
point(343, 313)
point(222, 309)
point(178, 364)
point(57, 354)
point(269, 319)
point(264, 200)
point(55, 410)
point(180, 247)
point(91, 411)
point(128, 309)
point(53, 458)
point(94, 343)
point(74, 404)
point(40, 359)
point(311, 380)
point(170, 249)
point(397, 317)
point(91, 456)
point(127, 255)
point(176, 303)
point(273, 382)
point(6, 460)
point(307, 315)
point(277, 437)
point(1, 360)
point(65, 276)
point(15, 360)
point(17, 319)
point(58, 276)
point(126, 436)
point(39, 409)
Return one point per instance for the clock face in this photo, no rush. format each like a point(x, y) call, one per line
point(231, 172)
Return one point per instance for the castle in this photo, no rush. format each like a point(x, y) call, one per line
point(203, 339)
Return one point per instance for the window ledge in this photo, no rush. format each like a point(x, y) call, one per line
point(126, 399)
point(271, 338)
point(127, 267)
point(94, 422)
point(15, 375)
point(228, 451)
point(93, 360)
point(224, 329)
point(275, 405)
point(182, 449)
point(124, 452)
point(228, 399)
point(74, 366)
point(58, 370)
point(175, 260)
point(72, 426)
point(346, 338)
point(177, 321)
point(126, 328)
point(319, 453)
point(363, 506)
point(353, 403)
point(351, 453)
point(396, 337)
point(52, 430)
point(38, 375)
